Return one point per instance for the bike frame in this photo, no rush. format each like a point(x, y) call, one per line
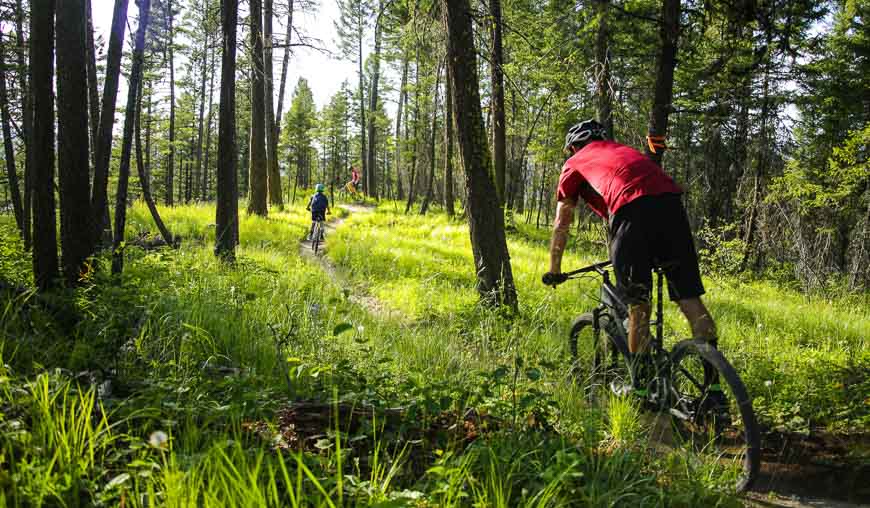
point(611, 301)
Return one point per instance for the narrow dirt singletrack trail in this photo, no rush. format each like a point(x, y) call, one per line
point(353, 292)
point(785, 482)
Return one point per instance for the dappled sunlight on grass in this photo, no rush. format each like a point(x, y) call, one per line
point(200, 348)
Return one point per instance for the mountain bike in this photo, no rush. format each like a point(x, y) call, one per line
point(348, 193)
point(317, 235)
point(708, 404)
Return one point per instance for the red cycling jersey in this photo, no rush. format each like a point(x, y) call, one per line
point(608, 175)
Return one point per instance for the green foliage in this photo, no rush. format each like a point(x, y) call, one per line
point(181, 371)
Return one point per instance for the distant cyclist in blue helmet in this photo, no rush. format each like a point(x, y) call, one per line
point(319, 207)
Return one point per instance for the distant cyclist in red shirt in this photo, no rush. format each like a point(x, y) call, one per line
point(648, 226)
point(354, 176)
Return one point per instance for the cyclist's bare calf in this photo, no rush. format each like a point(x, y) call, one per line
point(703, 326)
point(700, 320)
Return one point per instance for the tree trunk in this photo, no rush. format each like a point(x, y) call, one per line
point(72, 141)
point(372, 175)
point(99, 193)
point(284, 64)
point(430, 184)
point(448, 145)
point(664, 88)
point(412, 187)
point(9, 151)
point(604, 101)
point(205, 177)
point(26, 125)
point(93, 86)
point(257, 178)
point(760, 171)
point(485, 217)
point(274, 172)
point(170, 171)
point(142, 169)
point(227, 210)
point(403, 97)
point(133, 89)
point(362, 111)
point(45, 263)
point(498, 113)
point(198, 179)
point(147, 136)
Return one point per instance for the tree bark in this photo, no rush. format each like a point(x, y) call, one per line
point(9, 151)
point(430, 184)
point(93, 86)
point(26, 126)
point(372, 174)
point(133, 89)
point(274, 172)
point(205, 177)
point(760, 171)
point(257, 171)
point(664, 88)
point(412, 187)
point(170, 171)
point(448, 145)
point(604, 101)
point(142, 169)
point(198, 177)
point(362, 106)
point(99, 193)
point(403, 97)
point(498, 113)
point(45, 262)
point(72, 141)
point(284, 64)
point(485, 217)
point(227, 210)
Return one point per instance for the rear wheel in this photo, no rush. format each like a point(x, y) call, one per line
point(315, 237)
point(712, 411)
point(608, 367)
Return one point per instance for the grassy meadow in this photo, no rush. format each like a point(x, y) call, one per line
point(181, 383)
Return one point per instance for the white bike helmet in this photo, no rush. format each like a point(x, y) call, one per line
point(584, 131)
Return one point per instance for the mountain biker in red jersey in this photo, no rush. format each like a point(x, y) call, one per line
point(648, 226)
point(354, 177)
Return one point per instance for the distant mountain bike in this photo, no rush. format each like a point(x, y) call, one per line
point(683, 383)
point(317, 235)
point(348, 192)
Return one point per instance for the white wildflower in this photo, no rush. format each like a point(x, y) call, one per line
point(158, 439)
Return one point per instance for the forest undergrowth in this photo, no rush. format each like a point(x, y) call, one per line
point(187, 382)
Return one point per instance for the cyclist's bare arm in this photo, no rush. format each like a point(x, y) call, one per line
point(564, 217)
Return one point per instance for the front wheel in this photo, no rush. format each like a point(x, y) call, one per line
point(712, 411)
point(608, 369)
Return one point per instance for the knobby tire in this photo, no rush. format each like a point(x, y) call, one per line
point(726, 433)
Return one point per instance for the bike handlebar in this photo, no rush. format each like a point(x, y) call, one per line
point(554, 279)
point(597, 267)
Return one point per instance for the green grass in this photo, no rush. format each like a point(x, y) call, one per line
point(199, 350)
point(797, 354)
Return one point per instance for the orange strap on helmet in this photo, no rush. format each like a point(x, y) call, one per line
point(656, 142)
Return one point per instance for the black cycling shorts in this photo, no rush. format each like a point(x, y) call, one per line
point(318, 216)
point(654, 231)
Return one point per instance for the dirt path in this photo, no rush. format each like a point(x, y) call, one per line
point(797, 472)
point(354, 292)
point(819, 470)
